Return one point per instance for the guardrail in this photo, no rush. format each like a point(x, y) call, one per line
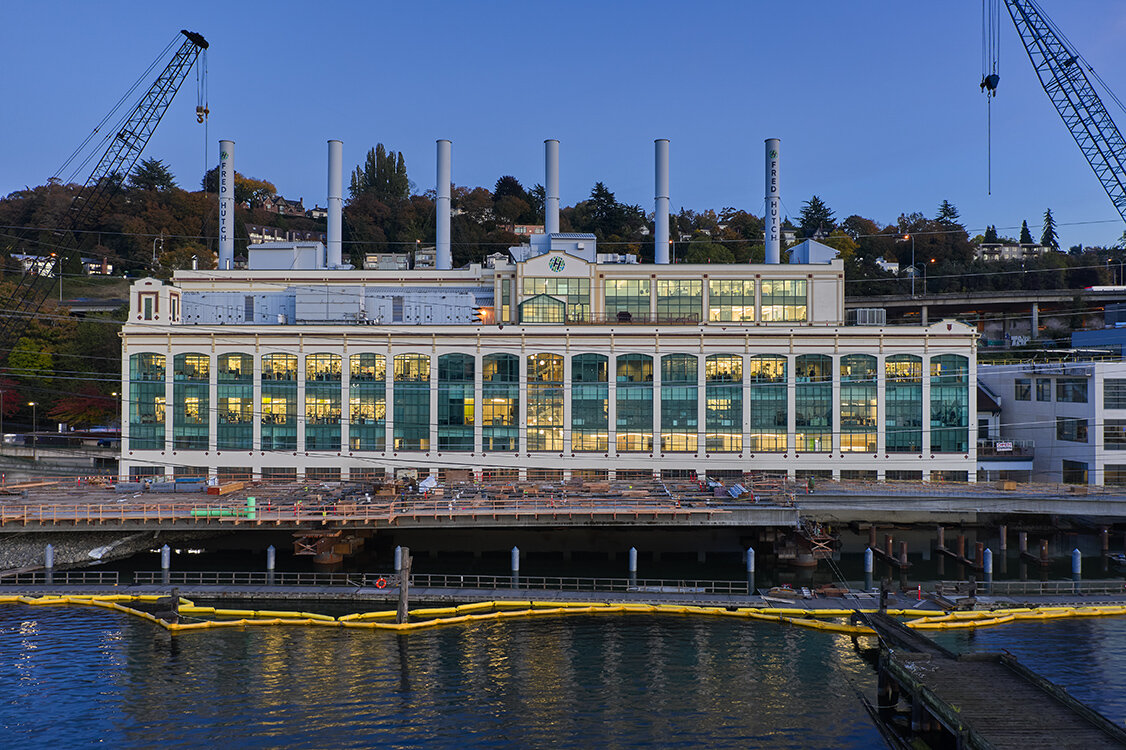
point(442, 581)
point(198, 513)
point(62, 578)
point(1036, 588)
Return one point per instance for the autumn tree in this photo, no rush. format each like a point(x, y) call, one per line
point(248, 190)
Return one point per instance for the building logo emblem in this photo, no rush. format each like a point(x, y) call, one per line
point(556, 264)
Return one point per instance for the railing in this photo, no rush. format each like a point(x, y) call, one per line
point(62, 578)
point(351, 511)
point(442, 581)
point(996, 448)
point(1037, 588)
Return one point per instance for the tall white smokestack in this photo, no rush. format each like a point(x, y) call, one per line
point(773, 202)
point(226, 205)
point(661, 230)
point(445, 258)
point(335, 203)
point(551, 186)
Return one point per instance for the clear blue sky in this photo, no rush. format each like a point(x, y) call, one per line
point(877, 103)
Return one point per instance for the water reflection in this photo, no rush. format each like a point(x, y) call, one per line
point(576, 681)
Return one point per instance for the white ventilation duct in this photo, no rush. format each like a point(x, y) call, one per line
point(335, 203)
point(551, 186)
point(444, 259)
point(661, 217)
point(773, 203)
point(226, 205)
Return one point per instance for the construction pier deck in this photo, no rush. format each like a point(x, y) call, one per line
point(981, 700)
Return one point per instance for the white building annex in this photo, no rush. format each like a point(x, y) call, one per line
point(556, 362)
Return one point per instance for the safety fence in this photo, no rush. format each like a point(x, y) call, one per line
point(1035, 588)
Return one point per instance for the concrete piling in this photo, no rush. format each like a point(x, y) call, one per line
point(751, 570)
point(165, 563)
point(516, 567)
point(869, 560)
point(987, 566)
point(1076, 563)
point(271, 559)
point(49, 562)
point(398, 559)
point(633, 566)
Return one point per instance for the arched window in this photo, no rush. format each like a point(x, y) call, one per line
point(545, 402)
point(455, 402)
point(680, 422)
point(769, 411)
point(279, 402)
point(634, 387)
point(813, 403)
point(191, 410)
point(500, 407)
point(367, 402)
point(322, 402)
point(234, 428)
point(146, 401)
point(950, 403)
point(412, 402)
point(590, 403)
point(858, 403)
point(903, 403)
point(723, 375)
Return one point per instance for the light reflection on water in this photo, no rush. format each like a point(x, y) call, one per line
point(87, 676)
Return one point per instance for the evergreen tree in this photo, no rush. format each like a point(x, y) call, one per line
point(815, 215)
point(1025, 235)
point(1049, 238)
point(383, 174)
point(991, 235)
point(153, 175)
point(947, 213)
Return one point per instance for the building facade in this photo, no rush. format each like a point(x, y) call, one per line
point(550, 364)
point(1074, 412)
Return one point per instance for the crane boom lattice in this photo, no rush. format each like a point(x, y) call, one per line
point(114, 166)
point(1061, 74)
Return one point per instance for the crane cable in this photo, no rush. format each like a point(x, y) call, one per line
point(202, 110)
point(990, 62)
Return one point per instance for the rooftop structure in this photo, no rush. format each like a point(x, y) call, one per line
point(554, 361)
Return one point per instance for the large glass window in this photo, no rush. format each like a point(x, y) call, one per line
point(723, 376)
point(1022, 389)
point(191, 401)
point(367, 402)
point(634, 385)
point(903, 403)
point(784, 300)
point(500, 394)
point(146, 401)
point(1071, 429)
point(950, 403)
point(1071, 390)
point(322, 402)
point(590, 398)
point(731, 300)
point(680, 300)
point(279, 402)
point(545, 402)
point(768, 393)
point(680, 422)
point(858, 403)
point(813, 403)
point(542, 309)
point(1043, 389)
point(235, 390)
point(412, 402)
point(1114, 434)
point(573, 293)
point(455, 402)
point(1114, 393)
point(627, 299)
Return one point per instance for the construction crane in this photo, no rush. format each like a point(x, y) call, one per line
point(116, 163)
point(1063, 75)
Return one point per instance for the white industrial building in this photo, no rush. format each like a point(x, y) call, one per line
point(556, 362)
point(1074, 412)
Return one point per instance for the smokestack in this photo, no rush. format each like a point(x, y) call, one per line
point(445, 258)
point(551, 185)
point(335, 203)
point(661, 220)
point(773, 203)
point(226, 205)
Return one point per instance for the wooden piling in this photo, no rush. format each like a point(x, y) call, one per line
point(402, 616)
point(961, 546)
point(1004, 532)
point(941, 538)
point(903, 554)
point(1022, 540)
point(889, 546)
